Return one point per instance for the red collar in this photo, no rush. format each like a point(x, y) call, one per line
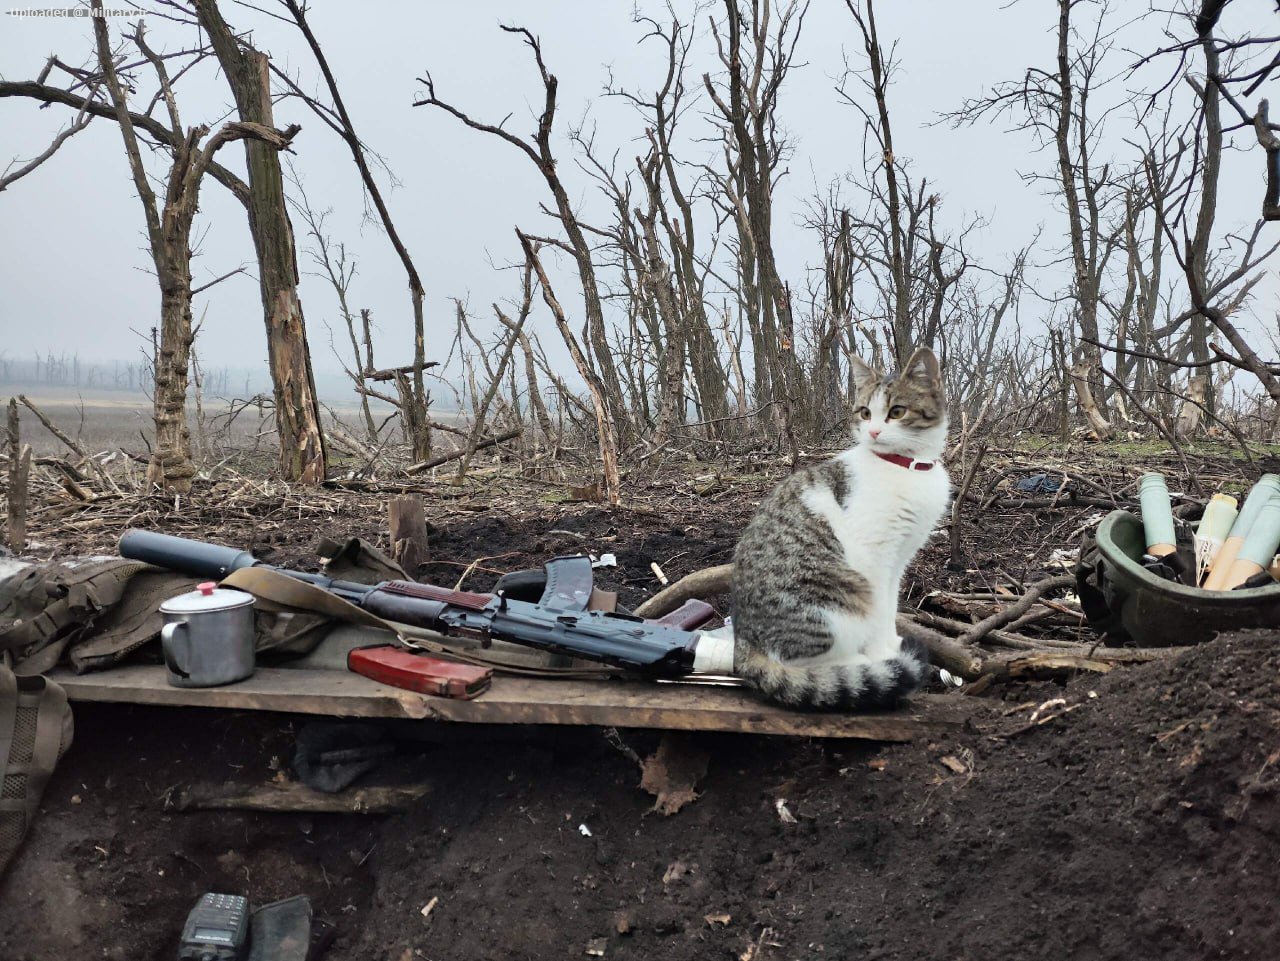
point(909, 463)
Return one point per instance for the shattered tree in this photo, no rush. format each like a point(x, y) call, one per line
point(302, 453)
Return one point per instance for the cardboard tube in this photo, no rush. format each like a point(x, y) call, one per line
point(1259, 547)
point(1157, 515)
point(1218, 518)
point(1267, 487)
point(1217, 579)
point(1213, 530)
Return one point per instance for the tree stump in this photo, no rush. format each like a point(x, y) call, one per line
point(408, 525)
point(1189, 416)
point(19, 475)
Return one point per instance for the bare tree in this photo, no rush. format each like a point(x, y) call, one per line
point(670, 204)
point(1250, 62)
point(339, 120)
point(1180, 172)
point(169, 238)
point(302, 455)
point(538, 150)
point(1215, 294)
point(1055, 105)
point(595, 383)
point(756, 52)
point(338, 269)
point(901, 231)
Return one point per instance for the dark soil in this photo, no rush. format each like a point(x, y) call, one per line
point(1142, 823)
point(106, 872)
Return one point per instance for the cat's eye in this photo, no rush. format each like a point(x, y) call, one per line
point(896, 411)
point(864, 413)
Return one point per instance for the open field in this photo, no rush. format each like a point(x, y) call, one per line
point(112, 420)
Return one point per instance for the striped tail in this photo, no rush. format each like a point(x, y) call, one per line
point(837, 687)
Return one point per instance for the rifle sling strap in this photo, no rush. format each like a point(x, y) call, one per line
point(276, 591)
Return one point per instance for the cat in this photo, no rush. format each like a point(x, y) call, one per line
point(819, 567)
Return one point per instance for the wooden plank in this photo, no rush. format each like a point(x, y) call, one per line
point(333, 693)
point(519, 700)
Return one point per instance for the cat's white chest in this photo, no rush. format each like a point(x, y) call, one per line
point(889, 515)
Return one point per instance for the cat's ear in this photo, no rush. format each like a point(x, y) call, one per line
point(862, 371)
point(922, 368)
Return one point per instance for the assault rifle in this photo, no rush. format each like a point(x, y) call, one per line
point(558, 621)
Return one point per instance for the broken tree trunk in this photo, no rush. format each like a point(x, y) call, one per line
point(407, 522)
point(302, 454)
point(171, 466)
point(605, 426)
point(1192, 410)
point(19, 476)
point(169, 227)
point(169, 237)
point(1088, 403)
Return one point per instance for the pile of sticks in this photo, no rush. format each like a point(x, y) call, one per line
point(979, 640)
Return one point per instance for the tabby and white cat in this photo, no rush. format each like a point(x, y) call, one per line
point(818, 569)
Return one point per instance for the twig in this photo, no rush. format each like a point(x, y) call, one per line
point(1017, 609)
point(959, 500)
point(699, 584)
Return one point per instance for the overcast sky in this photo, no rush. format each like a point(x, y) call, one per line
point(72, 250)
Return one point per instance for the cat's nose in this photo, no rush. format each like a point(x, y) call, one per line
point(874, 432)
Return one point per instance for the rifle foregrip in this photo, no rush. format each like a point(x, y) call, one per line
point(429, 592)
point(689, 616)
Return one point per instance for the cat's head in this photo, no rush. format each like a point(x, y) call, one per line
point(904, 413)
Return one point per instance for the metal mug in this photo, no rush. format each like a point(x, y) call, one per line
point(207, 639)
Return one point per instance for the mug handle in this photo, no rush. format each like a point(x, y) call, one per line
point(174, 653)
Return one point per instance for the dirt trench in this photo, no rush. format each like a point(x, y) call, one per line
point(1140, 821)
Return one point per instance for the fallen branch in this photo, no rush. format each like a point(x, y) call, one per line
point(943, 651)
point(296, 797)
point(1017, 609)
point(698, 585)
point(390, 373)
point(79, 451)
point(339, 436)
point(53, 428)
point(454, 455)
point(1071, 500)
point(1052, 663)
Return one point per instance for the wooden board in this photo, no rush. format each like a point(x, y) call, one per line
point(518, 700)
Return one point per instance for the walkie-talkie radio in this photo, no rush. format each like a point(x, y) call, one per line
point(217, 929)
